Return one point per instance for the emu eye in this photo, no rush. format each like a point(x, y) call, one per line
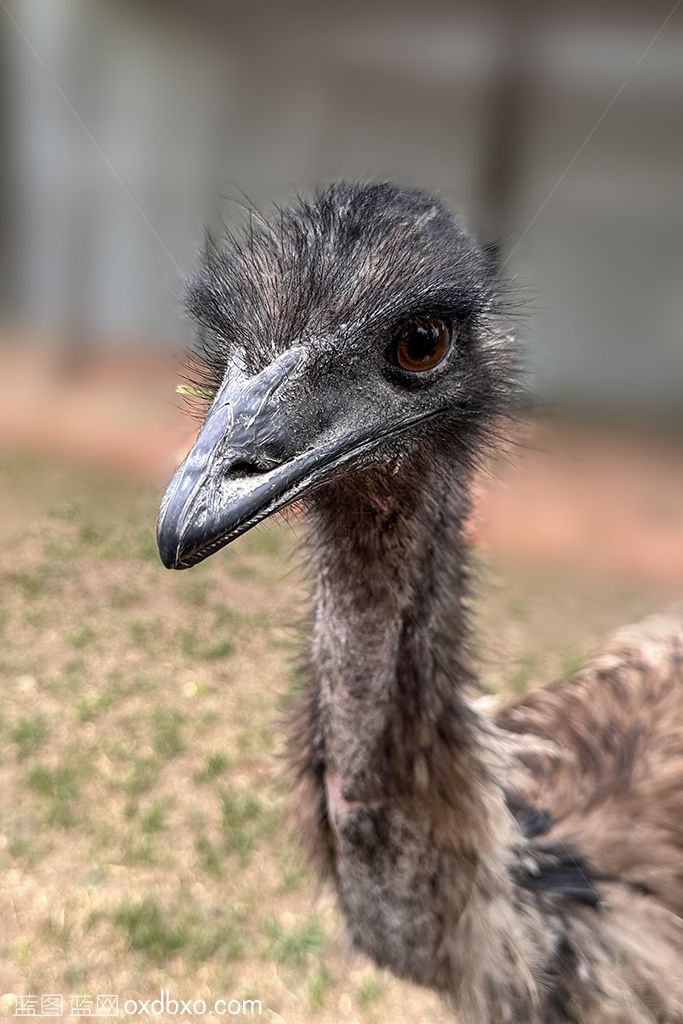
point(421, 344)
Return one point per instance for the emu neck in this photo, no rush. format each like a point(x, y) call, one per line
point(423, 839)
point(390, 623)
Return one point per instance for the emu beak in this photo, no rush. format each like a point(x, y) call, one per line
point(238, 471)
point(266, 441)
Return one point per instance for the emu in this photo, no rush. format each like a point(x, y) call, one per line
point(529, 867)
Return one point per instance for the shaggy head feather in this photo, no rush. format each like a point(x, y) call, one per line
point(339, 275)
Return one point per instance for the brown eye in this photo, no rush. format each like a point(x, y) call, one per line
point(421, 344)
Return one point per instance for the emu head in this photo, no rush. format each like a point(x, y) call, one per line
point(346, 337)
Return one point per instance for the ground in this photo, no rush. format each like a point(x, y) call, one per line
point(144, 832)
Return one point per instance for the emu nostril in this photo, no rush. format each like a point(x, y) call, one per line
point(243, 468)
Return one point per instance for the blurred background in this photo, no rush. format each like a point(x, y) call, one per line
point(144, 823)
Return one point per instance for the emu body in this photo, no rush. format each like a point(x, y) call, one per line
point(530, 867)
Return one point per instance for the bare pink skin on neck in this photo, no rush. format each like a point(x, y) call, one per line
point(382, 504)
point(337, 806)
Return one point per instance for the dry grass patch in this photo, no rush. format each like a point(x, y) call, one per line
point(145, 835)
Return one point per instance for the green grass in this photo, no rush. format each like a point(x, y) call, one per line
point(244, 821)
point(29, 584)
point(137, 849)
point(148, 930)
point(66, 510)
point(196, 649)
point(145, 635)
point(369, 991)
point(167, 736)
point(293, 876)
point(29, 849)
point(89, 707)
point(152, 819)
point(296, 946)
point(209, 856)
point(141, 777)
point(318, 987)
point(39, 618)
point(29, 734)
point(75, 666)
point(81, 637)
point(89, 534)
point(75, 976)
point(222, 939)
point(59, 787)
point(215, 764)
point(219, 649)
point(158, 934)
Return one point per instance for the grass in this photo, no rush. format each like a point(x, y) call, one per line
point(28, 850)
point(209, 856)
point(90, 706)
point(167, 738)
point(152, 819)
point(59, 787)
point(145, 827)
point(148, 930)
point(196, 649)
point(141, 777)
point(369, 991)
point(144, 634)
point(244, 821)
point(318, 987)
point(293, 876)
point(215, 764)
point(29, 734)
point(294, 946)
point(157, 934)
point(81, 637)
